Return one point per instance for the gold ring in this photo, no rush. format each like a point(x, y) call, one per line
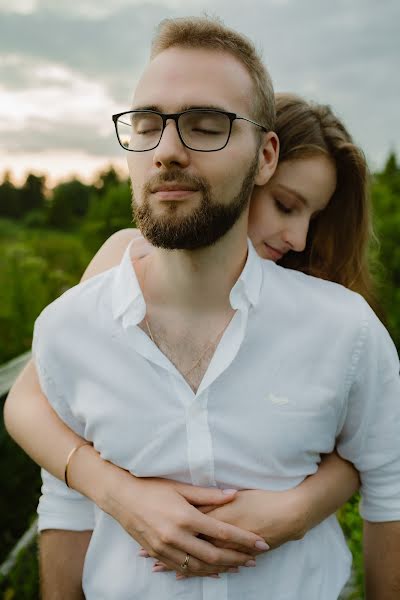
point(185, 563)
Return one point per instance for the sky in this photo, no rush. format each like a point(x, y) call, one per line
point(66, 67)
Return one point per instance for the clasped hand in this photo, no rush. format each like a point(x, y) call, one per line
point(219, 531)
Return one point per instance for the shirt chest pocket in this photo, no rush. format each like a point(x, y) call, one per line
point(283, 427)
point(304, 418)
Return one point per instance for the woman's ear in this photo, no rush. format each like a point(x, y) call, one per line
point(268, 158)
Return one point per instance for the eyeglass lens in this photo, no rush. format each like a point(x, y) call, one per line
point(207, 131)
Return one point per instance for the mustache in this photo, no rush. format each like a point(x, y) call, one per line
point(176, 176)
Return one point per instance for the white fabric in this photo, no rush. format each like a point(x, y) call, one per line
point(303, 366)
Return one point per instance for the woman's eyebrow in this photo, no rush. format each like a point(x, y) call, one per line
point(294, 193)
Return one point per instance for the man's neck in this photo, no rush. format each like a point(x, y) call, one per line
point(196, 281)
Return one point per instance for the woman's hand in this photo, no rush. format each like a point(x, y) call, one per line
point(163, 517)
point(275, 516)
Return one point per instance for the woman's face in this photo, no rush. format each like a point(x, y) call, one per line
point(280, 211)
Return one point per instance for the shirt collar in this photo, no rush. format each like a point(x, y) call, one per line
point(127, 297)
point(248, 286)
point(128, 301)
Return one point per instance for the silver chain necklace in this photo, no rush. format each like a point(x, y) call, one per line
point(204, 351)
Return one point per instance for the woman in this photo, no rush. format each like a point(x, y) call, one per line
point(327, 230)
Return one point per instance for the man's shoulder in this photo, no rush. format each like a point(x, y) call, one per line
point(308, 294)
point(79, 302)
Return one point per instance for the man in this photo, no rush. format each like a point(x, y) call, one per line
point(166, 368)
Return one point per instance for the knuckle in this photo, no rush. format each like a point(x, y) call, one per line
point(158, 546)
point(213, 557)
point(223, 534)
point(166, 536)
point(182, 522)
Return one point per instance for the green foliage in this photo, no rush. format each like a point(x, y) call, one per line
point(108, 213)
point(23, 581)
point(19, 491)
point(32, 194)
point(106, 180)
point(386, 205)
point(351, 523)
point(34, 270)
point(69, 203)
point(10, 199)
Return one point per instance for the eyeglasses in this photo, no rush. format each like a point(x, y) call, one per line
point(202, 130)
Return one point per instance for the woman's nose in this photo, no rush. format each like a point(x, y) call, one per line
point(296, 236)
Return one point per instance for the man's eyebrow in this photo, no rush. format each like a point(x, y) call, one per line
point(183, 108)
point(294, 193)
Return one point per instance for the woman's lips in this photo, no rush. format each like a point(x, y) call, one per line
point(276, 255)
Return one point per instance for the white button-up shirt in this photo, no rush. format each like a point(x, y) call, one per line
point(304, 366)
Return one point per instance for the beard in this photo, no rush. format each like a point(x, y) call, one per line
point(204, 225)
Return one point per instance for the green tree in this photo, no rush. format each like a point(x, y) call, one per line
point(33, 193)
point(10, 199)
point(107, 180)
point(69, 204)
point(107, 214)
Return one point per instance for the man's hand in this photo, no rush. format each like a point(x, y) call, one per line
point(161, 516)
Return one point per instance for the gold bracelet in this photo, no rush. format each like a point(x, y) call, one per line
point(70, 455)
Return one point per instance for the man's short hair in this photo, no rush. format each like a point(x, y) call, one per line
point(210, 33)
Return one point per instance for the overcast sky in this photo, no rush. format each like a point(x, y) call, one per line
point(66, 66)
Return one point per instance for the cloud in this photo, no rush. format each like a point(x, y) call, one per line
point(112, 49)
point(341, 53)
point(42, 135)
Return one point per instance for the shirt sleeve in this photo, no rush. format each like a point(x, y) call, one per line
point(59, 506)
point(370, 436)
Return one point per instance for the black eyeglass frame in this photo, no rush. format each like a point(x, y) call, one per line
point(175, 117)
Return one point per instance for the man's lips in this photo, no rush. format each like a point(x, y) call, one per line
point(173, 191)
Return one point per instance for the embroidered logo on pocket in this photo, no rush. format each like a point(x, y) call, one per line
point(279, 400)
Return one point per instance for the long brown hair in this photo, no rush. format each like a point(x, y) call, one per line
point(340, 237)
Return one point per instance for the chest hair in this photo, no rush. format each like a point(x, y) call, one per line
point(191, 354)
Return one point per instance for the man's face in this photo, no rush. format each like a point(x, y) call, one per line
point(182, 198)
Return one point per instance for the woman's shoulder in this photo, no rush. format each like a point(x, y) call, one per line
point(110, 253)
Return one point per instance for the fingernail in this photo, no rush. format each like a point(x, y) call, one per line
point(158, 569)
point(233, 570)
point(250, 563)
point(144, 553)
point(180, 577)
point(261, 545)
point(229, 491)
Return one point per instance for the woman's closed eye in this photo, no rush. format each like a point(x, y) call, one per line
point(282, 207)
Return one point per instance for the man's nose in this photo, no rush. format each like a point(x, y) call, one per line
point(170, 150)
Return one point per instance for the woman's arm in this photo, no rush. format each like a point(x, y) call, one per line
point(282, 516)
point(322, 494)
